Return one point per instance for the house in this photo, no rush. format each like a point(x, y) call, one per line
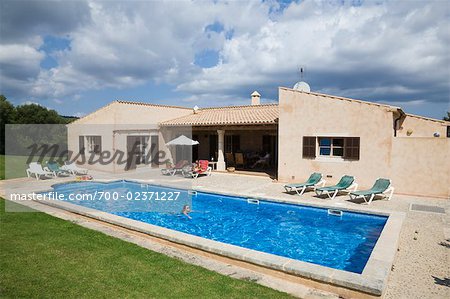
point(337, 136)
point(303, 133)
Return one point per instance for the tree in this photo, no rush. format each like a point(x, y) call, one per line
point(6, 117)
point(36, 114)
point(27, 114)
point(447, 118)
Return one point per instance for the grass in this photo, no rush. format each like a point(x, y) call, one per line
point(2, 167)
point(15, 166)
point(46, 257)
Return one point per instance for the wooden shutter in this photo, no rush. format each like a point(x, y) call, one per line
point(97, 144)
point(309, 147)
point(351, 148)
point(81, 145)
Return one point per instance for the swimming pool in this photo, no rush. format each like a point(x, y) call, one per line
point(297, 232)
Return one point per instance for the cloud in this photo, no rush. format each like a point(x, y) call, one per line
point(31, 103)
point(19, 65)
point(79, 114)
point(384, 51)
point(21, 21)
point(389, 50)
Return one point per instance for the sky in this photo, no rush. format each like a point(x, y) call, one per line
point(77, 56)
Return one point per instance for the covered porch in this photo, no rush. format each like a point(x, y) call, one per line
point(244, 148)
point(239, 138)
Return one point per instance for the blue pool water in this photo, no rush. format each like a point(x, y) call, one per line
point(298, 232)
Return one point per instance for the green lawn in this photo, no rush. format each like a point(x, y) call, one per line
point(16, 166)
point(46, 257)
point(2, 167)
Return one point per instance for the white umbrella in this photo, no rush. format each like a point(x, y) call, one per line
point(182, 140)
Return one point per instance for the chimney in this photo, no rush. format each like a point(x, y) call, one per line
point(256, 98)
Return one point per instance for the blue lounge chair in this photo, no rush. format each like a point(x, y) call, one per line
point(381, 187)
point(55, 169)
point(314, 180)
point(345, 184)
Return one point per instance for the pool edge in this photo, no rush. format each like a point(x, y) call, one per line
point(372, 281)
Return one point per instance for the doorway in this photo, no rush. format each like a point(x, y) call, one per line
point(137, 149)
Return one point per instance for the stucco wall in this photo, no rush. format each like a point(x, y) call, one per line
point(422, 127)
point(421, 165)
point(304, 114)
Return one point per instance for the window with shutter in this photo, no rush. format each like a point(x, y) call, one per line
point(309, 147)
point(94, 144)
point(351, 148)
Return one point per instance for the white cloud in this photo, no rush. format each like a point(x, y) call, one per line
point(30, 103)
point(403, 48)
point(379, 49)
point(79, 114)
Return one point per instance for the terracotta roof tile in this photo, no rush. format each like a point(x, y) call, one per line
point(149, 104)
point(232, 115)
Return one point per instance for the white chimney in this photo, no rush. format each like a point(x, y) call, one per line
point(256, 98)
point(195, 109)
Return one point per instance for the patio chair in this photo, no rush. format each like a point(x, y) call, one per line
point(314, 181)
point(73, 169)
point(34, 168)
point(346, 184)
point(176, 168)
point(381, 187)
point(201, 169)
point(55, 169)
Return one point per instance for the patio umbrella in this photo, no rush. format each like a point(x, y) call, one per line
point(182, 140)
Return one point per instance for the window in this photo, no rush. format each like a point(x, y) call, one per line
point(448, 131)
point(94, 144)
point(343, 147)
point(81, 145)
point(213, 146)
point(332, 147)
point(232, 143)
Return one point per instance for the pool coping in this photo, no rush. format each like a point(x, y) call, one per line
point(372, 280)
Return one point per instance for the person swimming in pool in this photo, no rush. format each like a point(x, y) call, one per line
point(186, 210)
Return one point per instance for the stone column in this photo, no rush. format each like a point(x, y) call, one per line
point(220, 150)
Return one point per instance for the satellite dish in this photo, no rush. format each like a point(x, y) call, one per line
point(302, 86)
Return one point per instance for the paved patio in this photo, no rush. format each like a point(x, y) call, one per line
point(421, 268)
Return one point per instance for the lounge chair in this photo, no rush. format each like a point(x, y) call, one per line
point(73, 169)
point(313, 182)
point(55, 169)
point(346, 184)
point(381, 187)
point(202, 168)
point(177, 168)
point(34, 168)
